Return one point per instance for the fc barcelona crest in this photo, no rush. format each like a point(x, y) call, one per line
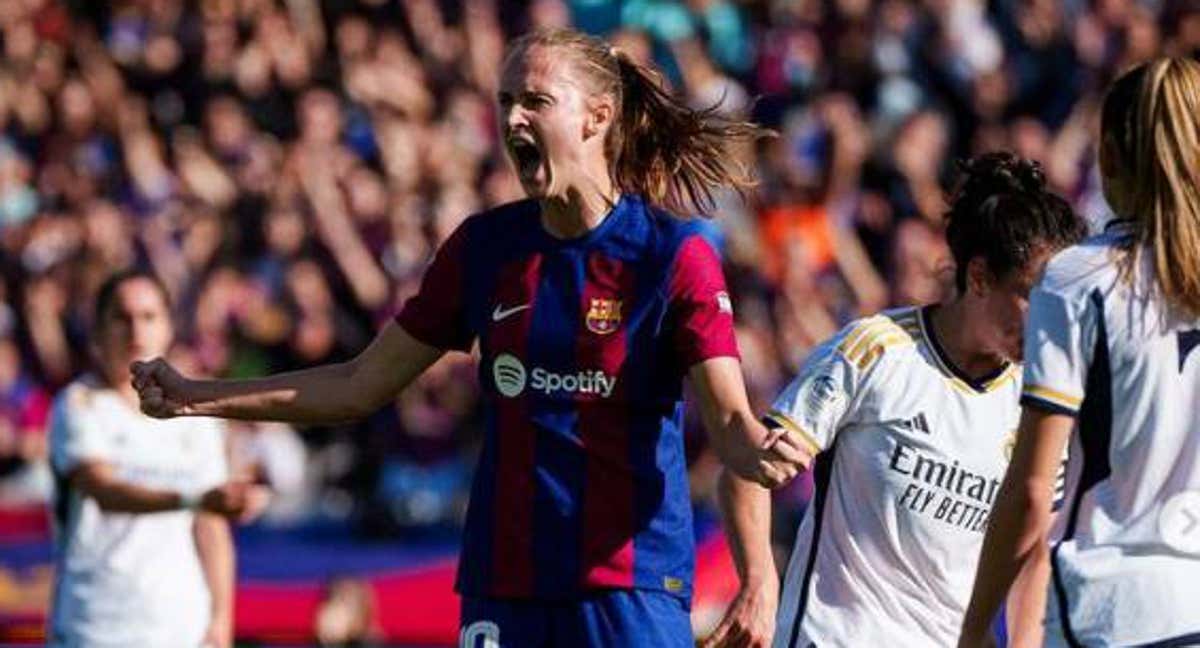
point(604, 315)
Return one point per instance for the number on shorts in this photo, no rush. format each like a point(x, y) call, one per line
point(488, 631)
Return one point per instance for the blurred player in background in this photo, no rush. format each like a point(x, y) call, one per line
point(590, 303)
point(145, 557)
point(1112, 366)
point(911, 414)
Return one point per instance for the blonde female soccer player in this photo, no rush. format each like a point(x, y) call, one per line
point(1112, 366)
point(591, 302)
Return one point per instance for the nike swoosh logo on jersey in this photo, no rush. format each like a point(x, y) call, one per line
point(501, 312)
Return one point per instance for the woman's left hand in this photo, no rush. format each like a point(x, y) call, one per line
point(750, 620)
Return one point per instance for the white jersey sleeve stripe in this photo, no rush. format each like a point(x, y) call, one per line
point(1049, 399)
point(784, 421)
point(1054, 395)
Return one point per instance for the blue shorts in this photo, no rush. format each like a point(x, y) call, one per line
point(626, 618)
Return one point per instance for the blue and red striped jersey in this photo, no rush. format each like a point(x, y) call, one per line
point(584, 344)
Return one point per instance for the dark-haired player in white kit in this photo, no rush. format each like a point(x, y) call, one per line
point(912, 413)
point(144, 556)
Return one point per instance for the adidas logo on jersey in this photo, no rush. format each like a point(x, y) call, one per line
point(512, 379)
point(918, 423)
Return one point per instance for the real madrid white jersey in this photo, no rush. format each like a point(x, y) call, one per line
point(1102, 347)
point(911, 457)
point(126, 579)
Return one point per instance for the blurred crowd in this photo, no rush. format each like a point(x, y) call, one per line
point(288, 166)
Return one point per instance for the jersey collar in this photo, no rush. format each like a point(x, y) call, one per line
point(1120, 225)
point(980, 385)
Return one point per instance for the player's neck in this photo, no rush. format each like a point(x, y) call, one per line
point(580, 210)
point(958, 335)
point(121, 382)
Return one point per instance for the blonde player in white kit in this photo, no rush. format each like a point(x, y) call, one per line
point(1113, 365)
point(144, 554)
point(912, 413)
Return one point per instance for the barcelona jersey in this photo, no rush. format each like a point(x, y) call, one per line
point(584, 344)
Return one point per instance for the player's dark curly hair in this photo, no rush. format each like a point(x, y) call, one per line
point(1002, 212)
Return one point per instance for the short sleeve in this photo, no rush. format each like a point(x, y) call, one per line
point(1056, 352)
point(75, 436)
point(436, 315)
point(815, 403)
point(701, 311)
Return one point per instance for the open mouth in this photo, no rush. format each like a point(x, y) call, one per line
point(526, 155)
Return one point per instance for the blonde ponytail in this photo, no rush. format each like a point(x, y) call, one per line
point(1159, 134)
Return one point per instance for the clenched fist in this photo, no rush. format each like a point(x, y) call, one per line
point(162, 392)
point(240, 501)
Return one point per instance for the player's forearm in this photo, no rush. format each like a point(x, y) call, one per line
point(318, 395)
point(725, 409)
point(121, 497)
point(1014, 537)
point(1026, 606)
point(734, 434)
point(746, 513)
point(214, 545)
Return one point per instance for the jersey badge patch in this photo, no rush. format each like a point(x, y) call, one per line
point(824, 397)
point(724, 305)
point(603, 316)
